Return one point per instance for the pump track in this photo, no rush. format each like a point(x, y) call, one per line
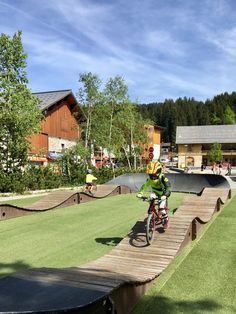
point(115, 282)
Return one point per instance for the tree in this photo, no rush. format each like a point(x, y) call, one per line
point(89, 95)
point(215, 119)
point(130, 132)
point(20, 115)
point(115, 93)
point(229, 116)
point(215, 153)
point(74, 161)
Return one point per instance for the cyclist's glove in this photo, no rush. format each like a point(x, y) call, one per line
point(139, 194)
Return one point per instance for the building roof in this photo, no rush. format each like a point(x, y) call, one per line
point(206, 134)
point(50, 98)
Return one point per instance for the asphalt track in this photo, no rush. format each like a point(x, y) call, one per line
point(184, 182)
point(124, 274)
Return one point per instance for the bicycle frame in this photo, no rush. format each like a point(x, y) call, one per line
point(90, 189)
point(155, 217)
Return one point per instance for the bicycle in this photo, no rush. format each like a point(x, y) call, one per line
point(156, 215)
point(90, 188)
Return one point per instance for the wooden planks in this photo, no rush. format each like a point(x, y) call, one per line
point(132, 256)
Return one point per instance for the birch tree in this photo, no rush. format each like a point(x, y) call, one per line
point(132, 133)
point(115, 93)
point(89, 95)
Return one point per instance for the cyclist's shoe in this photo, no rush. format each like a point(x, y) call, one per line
point(166, 223)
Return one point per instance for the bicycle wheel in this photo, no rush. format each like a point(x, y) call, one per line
point(150, 226)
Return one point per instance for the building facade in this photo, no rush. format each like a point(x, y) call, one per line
point(152, 148)
point(59, 129)
point(194, 143)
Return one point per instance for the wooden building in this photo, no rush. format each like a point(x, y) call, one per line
point(59, 129)
point(194, 143)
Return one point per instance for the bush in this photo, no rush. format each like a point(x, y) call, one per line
point(13, 182)
point(38, 178)
point(47, 177)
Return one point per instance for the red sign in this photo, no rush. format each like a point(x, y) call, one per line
point(151, 156)
point(151, 149)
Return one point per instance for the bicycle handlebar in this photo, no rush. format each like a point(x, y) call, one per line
point(149, 199)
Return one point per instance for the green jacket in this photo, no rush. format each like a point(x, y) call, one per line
point(159, 186)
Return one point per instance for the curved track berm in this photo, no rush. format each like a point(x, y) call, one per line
point(118, 279)
point(184, 182)
point(60, 199)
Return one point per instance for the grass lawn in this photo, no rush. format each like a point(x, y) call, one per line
point(69, 236)
point(202, 278)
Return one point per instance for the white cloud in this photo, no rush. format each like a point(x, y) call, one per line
point(163, 49)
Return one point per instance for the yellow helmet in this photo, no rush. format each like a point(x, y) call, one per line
point(154, 167)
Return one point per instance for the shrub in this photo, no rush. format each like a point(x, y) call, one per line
point(38, 178)
point(13, 182)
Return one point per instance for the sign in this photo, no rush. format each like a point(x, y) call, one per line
point(151, 149)
point(55, 155)
point(150, 156)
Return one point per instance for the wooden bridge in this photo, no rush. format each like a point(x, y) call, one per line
point(117, 280)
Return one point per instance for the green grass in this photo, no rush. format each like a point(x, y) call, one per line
point(69, 236)
point(202, 278)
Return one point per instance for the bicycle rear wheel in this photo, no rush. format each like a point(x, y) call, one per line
point(150, 226)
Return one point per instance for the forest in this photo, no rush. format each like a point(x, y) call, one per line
point(188, 111)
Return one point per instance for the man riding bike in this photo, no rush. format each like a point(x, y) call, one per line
point(158, 182)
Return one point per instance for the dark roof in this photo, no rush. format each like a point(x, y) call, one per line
point(159, 127)
point(50, 98)
point(206, 134)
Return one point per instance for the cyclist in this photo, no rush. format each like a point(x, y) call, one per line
point(90, 180)
point(159, 184)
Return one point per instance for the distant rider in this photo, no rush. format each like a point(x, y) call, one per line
point(159, 184)
point(90, 180)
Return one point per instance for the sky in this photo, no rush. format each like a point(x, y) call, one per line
point(163, 49)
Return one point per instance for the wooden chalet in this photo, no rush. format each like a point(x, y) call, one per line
point(60, 128)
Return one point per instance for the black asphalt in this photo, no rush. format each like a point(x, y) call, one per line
point(180, 182)
point(27, 294)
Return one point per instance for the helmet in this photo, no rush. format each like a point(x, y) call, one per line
point(154, 168)
point(89, 171)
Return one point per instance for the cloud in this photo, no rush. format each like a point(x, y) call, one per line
point(163, 49)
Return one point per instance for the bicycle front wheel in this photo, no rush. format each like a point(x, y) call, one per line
point(150, 228)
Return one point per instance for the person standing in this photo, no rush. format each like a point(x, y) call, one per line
point(229, 169)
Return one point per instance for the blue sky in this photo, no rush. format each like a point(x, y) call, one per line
point(162, 48)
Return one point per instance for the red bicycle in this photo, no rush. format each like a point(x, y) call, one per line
point(156, 216)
